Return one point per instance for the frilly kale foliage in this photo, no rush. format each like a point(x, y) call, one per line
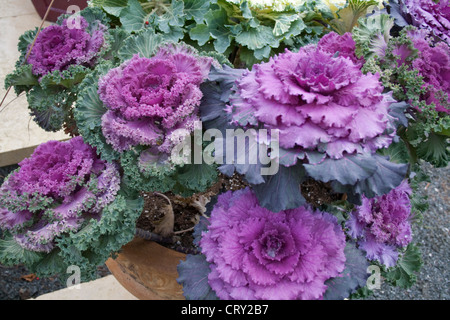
point(50, 73)
point(417, 72)
point(141, 133)
point(63, 207)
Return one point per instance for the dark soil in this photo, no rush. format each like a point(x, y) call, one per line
point(186, 214)
point(318, 193)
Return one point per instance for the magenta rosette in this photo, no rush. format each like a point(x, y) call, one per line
point(59, 46)
point(318, 100)
point(257, 254)
point(382, 224)
point(61, 185)
point(148, 99)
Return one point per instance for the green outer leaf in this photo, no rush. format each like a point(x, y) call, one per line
point(24, 42)
point(133, 17)
point(403, 275)
point(89, 110)
point(196, 9)
point(200, 33)
point(257, 38)
point(194, 178)
point(11, 253)
point(116, 39)
point(113, 7)
point(283, 22)
point(135, 179)
point(348, 17)
point(50, 107)
point(145, 43)
point(174, 17)
point(217, 22)
point(67, 78)
point(22, 79)
point(435, 150)
point(397, 152)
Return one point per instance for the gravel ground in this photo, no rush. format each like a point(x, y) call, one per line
point(433, 236)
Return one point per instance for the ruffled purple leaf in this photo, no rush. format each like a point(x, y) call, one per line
point(319, 101)
point(425, 14)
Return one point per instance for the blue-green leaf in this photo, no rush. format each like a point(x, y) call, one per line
point(145, 43)
point(193, 276)
point(353, 277)
point(282, 190)
point(200, 33)
point(133, 17)
point(196, 9)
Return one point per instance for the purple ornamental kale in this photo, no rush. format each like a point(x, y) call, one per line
point(432, 64)
point(430, 15)
point(61, 185)
point(344, 45)
point(57, 47)
point(148, 99)
point(382, 224)
point(319, 101)
point(257, 254)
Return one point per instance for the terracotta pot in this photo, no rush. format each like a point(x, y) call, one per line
point(59, 7)
point(148, 270)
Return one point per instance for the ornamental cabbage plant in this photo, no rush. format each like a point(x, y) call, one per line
point(144, 109)
point(318, 101)
point(59, 46)
point(329, 116)
point(50, 69)
point(58, 193)
point(383, 224)
point(257, 254)
point(148, 99)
